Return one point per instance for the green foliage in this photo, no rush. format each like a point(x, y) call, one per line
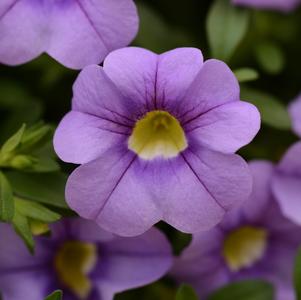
point(6, 199)
point(270, 57)
point(23, 194)
point(297, 275)
point(186, 292)
point(246, 74)
point(226, 27)
point(57, 295)
point(45, 188)
point(157, 35)
point(273, 112)
point(245, 290)
point(22, 227)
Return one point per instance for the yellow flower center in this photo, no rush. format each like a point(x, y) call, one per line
point(244, 247)
point(158, 134)
point(73, 262)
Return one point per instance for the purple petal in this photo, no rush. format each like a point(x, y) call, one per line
point(214, 85)
point(176, 71)
point(15, 256)
point(150, 80)
point(254, 208)
point(282, 5)
point(83, 32)
point(33, 285)
point(81, 137)
point(295, 112)
point(22, 26)
point(291, 162)
point(195, 190)
point(76, 33)
point(226, 128)
point(134, 262)
point(133, 71)
point(95, 94)
point(79, 229)
point(287, 190)
point(108, 190)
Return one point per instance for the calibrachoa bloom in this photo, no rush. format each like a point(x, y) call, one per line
point(282, 5)
point(155, 135)
point(295, 112)
point(74, 32)
point(254, 241)
point(82, 260)
point(287, 183)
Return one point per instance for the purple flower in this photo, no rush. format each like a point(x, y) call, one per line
point(155, 135)
point(287, 183)
point(82, 260)
point(254, 241)
point(74, 32)
point(295, 112)
point(281, 5)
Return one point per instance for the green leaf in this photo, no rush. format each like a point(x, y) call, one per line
point(186, 292)
point(6, 200)
point(270, 57)
point(36, 211)
point(57, 295)
point(155, 34)
point(245, 290)
point(226, 27)
point(22, 227)
point(12, 143)
point(36, 137)
point(273, 112)
point(246, 74)
point(47, 188)
point(297, 275)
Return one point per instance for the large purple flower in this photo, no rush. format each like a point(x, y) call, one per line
point(155, 135)
point(287, 183)
point(74, 32)
point(82, 260)
point(254, 241)
point(281, 5)
point(295, 112)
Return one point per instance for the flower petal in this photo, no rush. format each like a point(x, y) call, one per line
point(15, 256)
point(22, 26)
point(287, 190)
point(151, 80)
point(81, 137)
point(283, 5)
point(95, 94)
point(255, 207)
point(291, 162)
point(108, 190)
point(295, 112)
point(79, 229)
point(176, 71)
point(33, 284)
point(134, 262)
point(83, 32)
point(214, 85)
point(226, 128)
point(195, 190)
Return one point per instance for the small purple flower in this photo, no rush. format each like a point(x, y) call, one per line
point(155, 135)
point(286, 183)
point(255, 241)
point(281, 5)
point(82, 260)
point(295, 112)
point(74, 32)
